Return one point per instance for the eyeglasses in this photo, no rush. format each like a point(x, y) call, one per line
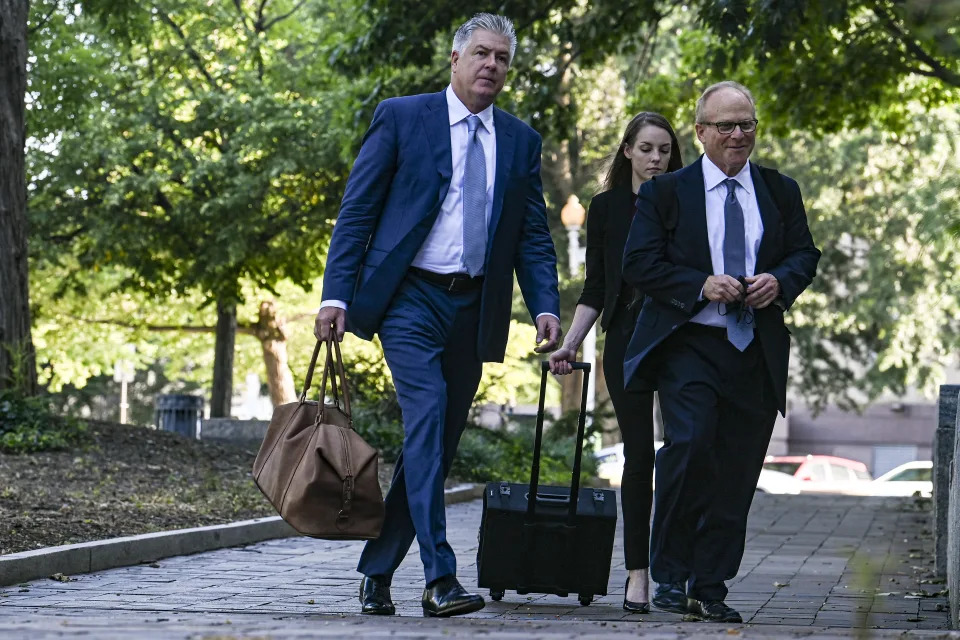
point(744, 313)
point(726, 128)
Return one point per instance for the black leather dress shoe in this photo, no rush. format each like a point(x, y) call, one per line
point(670, 596)
point(633, 607)
point(375, 596)
point(714, 611)
point(444, 597)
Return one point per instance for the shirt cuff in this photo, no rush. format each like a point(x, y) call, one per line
point(339, 304)
point(548, 314)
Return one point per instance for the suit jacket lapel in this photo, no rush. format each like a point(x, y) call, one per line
point(770, 217)
point(505, 151)
point(693, 214)
point(436, 123)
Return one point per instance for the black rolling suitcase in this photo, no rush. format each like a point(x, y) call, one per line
point(561, 542)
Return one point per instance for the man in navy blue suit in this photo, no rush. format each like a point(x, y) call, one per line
point(722, 249)
point(443, 205)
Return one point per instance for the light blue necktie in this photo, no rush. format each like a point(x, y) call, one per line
point(740, 334)
point(474, 201)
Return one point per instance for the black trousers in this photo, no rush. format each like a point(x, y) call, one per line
point(718, 409)
point(635, 417)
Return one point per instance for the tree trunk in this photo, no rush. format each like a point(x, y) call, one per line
point(222, 392)
point(17, 358)
point(273, 340)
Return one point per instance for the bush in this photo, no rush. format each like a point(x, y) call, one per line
point(27, 425)
point(487, 455)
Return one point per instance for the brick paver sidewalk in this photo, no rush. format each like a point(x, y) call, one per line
point(814, 565)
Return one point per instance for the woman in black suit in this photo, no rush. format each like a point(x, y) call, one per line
point(649, 147)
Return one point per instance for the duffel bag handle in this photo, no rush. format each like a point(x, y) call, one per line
point(343, 393)
point(538, 440)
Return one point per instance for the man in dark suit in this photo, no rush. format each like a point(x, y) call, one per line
point(720, 260)
point(443, 205)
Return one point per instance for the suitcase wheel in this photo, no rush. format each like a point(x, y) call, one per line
point(496, 595)
point(585, 599)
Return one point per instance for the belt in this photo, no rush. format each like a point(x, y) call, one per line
point(452, 282)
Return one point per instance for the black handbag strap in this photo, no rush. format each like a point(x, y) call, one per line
point(538, 441)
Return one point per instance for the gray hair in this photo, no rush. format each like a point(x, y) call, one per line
point(726, 84)
point(486, 22)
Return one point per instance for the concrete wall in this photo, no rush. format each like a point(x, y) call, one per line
point(233, 430)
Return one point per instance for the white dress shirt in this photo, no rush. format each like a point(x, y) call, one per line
point(716, 193)
point(442, 251)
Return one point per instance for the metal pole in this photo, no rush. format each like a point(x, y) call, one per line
point(123, 401)
point(577, 260)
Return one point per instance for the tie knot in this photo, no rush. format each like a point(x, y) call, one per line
point(472, 123)
point(731, 185)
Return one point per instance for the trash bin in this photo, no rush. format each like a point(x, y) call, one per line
point(178, 413)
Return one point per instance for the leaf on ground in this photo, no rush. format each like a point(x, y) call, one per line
point(887, 593)
point(778, 585)
point(310, 602)
point(691, 618)
point(59, 577)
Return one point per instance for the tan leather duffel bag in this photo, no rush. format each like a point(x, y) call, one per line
point(318, 473)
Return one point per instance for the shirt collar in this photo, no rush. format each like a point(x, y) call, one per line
point(458, 111)
point(713, 176)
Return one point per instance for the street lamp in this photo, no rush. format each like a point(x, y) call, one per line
point(123, 372)
point(573, 215)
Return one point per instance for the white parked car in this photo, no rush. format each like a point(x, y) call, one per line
point(910, 478)
point(777, 482)
point(610, 462)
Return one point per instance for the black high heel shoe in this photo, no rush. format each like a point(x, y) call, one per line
point(633, 607)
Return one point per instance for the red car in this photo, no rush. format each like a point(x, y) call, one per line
point(822, 474)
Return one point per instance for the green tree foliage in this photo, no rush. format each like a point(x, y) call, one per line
point(831, 64)
point(197, 151)
point(195, 154)
point(882, 315)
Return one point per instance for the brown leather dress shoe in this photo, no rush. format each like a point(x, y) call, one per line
point(375, 596)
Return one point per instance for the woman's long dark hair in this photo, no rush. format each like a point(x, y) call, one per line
point(620, 172)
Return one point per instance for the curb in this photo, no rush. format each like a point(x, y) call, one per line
point(87, 557)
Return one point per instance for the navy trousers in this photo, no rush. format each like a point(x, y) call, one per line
point(429, 338)
point(718, 409)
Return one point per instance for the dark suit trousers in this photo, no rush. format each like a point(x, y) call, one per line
point(718, 410)
point(429, 338)
point(635, 417)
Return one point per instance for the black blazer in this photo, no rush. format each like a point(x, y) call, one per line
point(670, 268)
point(607, 225)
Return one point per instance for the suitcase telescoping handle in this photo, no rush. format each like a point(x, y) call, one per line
point(581, 423)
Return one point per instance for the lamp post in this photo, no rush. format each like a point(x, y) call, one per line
point(123, 372)
point(573, 216)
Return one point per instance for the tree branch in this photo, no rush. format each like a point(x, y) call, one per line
point(938, 69)
point(33, 29)
point(243, 16)
point(284, 16)
point(191, 52)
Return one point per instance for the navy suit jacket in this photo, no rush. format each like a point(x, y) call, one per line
point(393, 197)
point(671, 268)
